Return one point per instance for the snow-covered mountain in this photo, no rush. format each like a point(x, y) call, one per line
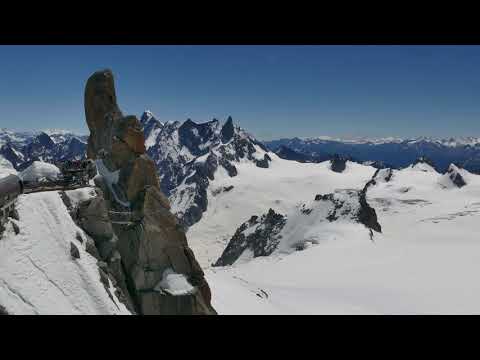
point(344, 233)
point(282, 187)
point(423, 262)
point(393, 152)
point(189, 156)
point(22, 148)
point(338, 214)
point(452, 141)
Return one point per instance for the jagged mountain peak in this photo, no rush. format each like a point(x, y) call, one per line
point(148, 118)
point(147, 114)
point(188, 155)
point(44, 139)
point(151, 127)
point(228, 130)
point(456, 175)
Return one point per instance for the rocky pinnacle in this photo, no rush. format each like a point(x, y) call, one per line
point(152, 246)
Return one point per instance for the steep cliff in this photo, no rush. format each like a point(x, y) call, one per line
point(151, 251)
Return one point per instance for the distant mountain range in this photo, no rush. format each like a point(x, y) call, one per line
point(290, 225)
point(394, 152)
point(23, 148)
point(189, 155)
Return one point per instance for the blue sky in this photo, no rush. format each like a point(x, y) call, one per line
point(272, 91)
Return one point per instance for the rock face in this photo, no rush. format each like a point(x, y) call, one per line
point(366, 215)
point(3, 311)
point(188, 156)
point(101, 111)
point(382, 175)
point(260, 240)
point(272, 232)
point(74, 251)
point(454, 175)
point(351, 204)
point(137, 235)
point(338, 163)
point(228, 130)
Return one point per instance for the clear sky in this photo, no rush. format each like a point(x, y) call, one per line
point(272, 91)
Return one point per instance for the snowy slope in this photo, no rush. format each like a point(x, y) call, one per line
point(342, 214)
point(6, 167)
point(426, 261)
point(38, 274)
point(284, 185)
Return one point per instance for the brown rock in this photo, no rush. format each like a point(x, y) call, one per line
point(122, 154)
point(152, 241)
point(101, 111)
point(130, 132)
point(93, 218)
point(137, 175)
point(135, 140)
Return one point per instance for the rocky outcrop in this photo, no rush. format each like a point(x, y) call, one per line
point(273, 232)
point(351, 204)
point(74, 252)
point(366, 214)
point(130, 221)
point(101, 112)
point(258, 235)
point(228, 130)
point(101, 242)
point(3, 311)
point(263, 163)
point(382, 175)
point(92, 216)
point(7, 220)
point(338, 163)
point(454, 175)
